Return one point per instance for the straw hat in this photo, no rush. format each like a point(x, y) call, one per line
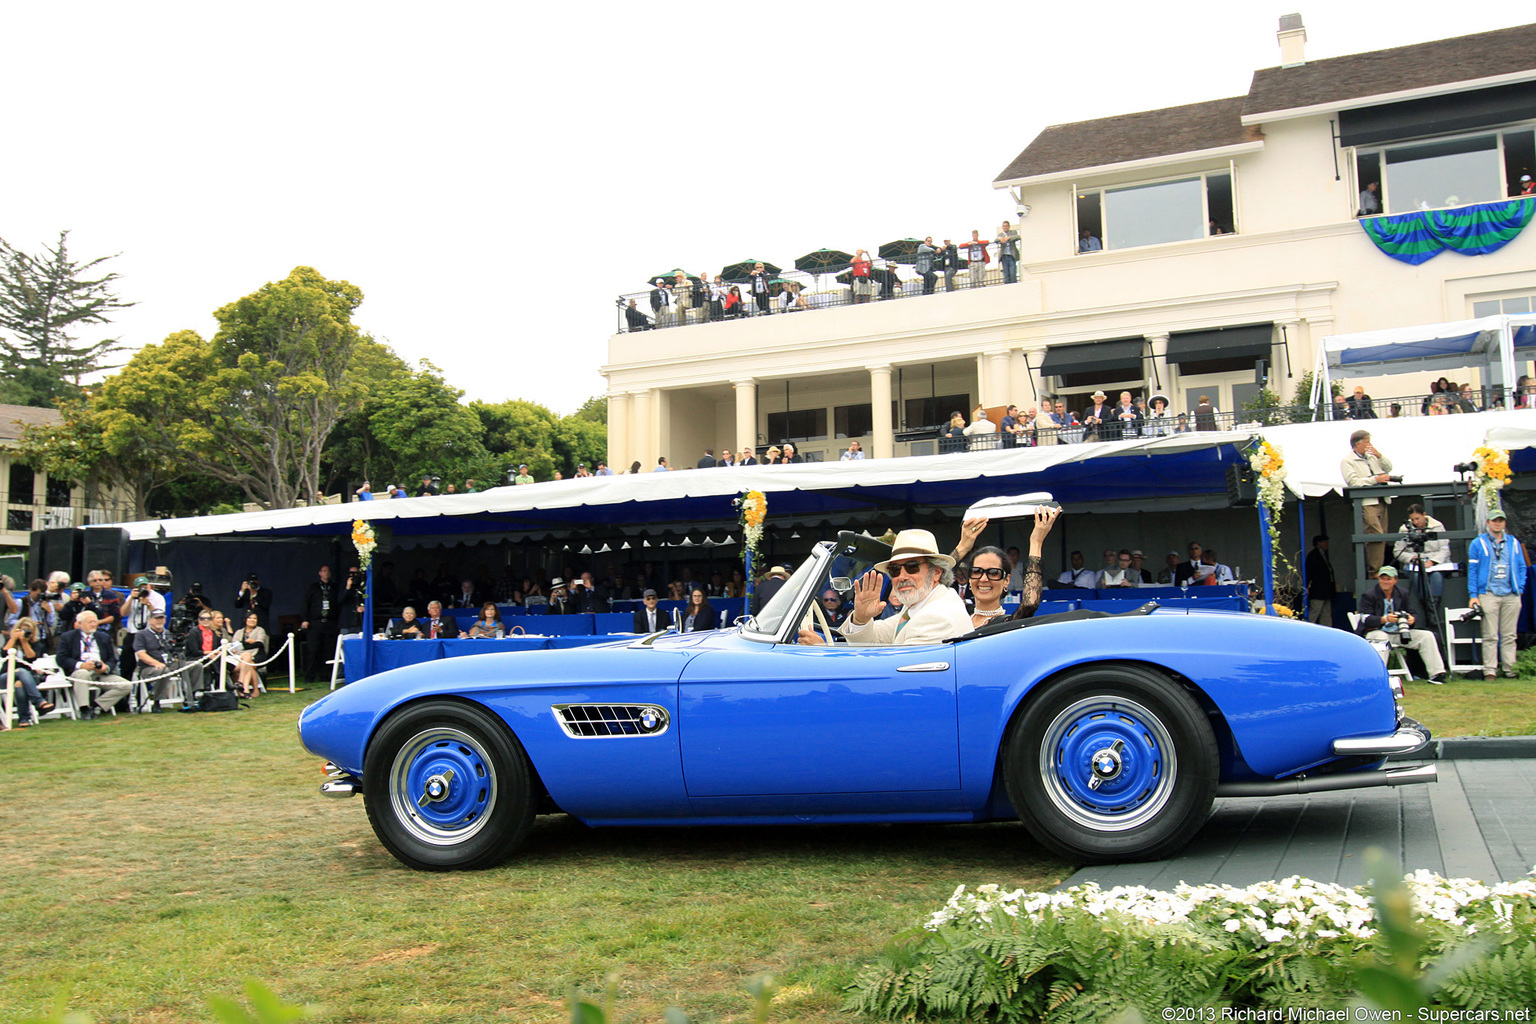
point(916, 544)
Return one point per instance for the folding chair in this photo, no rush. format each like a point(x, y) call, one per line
point(336, 661)
point(1397, 660)
point(1471, 637)
point(55, 687)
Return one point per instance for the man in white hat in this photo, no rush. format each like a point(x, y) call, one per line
point(921, 576)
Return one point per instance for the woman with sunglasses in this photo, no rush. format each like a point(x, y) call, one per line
point(988, 572)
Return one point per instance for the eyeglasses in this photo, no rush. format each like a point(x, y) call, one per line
point(205, 618)
point(912, 568)
point(991, 574)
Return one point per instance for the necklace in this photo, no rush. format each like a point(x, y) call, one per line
point(991, 613)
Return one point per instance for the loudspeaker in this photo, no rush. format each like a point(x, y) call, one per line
point(52, 551)
point(1241, 491)
point(106, 547)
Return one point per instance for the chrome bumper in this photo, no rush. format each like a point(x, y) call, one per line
point(1410, 736)
point(339, 782)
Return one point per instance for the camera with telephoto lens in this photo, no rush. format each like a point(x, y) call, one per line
point(1471, 614)
point(1464, 467)
point(1395, 478)
point(1416, 537)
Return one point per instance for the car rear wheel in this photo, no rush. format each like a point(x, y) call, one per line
point(447, 786)
point(1114, 762)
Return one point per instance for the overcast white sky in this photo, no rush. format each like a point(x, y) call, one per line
point(493, 175)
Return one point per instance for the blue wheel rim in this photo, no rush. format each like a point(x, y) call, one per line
point(442, 786)
point(1117, 744)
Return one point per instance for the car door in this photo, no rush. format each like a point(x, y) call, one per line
point(783, 719)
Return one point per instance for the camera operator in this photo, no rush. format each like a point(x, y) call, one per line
point(42, 608)
point(1422, 547)
point(1364, 467)
point(139, 607)
point(1496, 579)
point(1389, 613)
point(253, 597)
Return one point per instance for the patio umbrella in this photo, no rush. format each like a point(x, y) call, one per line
point(670, 276)
point(901, 251)
point(823, 260)
point(737, 273)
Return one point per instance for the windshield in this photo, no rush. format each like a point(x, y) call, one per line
point(772, 616)
point(852, 555)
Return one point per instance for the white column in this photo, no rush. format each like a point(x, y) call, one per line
point(746, 412)
point(643, 431)
point(620, 432)
point(1156, 367)
point(995, 389)
point(884, 446)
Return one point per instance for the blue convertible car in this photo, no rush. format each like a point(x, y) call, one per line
point(1109, 736)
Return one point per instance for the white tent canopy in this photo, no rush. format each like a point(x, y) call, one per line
point(1422, 448)
point(1486, 343)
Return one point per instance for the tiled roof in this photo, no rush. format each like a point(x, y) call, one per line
point(1214, 123)
point(1502, 51)
point(1150, 133)
point(16, 418)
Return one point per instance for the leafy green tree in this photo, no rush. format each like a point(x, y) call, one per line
point(518, 431)
point(46, 301)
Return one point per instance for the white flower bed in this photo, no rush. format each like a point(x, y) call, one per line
point(1296, 910)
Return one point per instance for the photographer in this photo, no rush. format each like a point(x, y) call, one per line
point(138, 609)
point(42, 608)
point(1496, 579)
point(1422, 547)
point(1364, 467)
point(253, 597)
point(8, 600)
point(1390, 614)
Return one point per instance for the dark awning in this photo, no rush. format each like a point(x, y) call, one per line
point(1250, 341)
point(1438, 115)
point(1094, 356)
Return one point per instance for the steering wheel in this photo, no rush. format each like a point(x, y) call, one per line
point(820, 618)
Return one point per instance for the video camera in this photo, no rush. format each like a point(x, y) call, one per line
point(1416, 537)
point(1464, 467)
point(1471, 614)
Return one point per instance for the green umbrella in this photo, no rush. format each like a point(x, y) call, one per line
point(739, 272)
point(671, 276)
point(901, 251)
point(823, 260)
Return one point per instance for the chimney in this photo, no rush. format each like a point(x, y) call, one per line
point(1293, 41)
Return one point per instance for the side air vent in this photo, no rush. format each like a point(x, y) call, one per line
point(592, 721)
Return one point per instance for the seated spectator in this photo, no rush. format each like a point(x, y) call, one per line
point(253, 641)
point(1168, 574)
point(22, 639)
point(1222, 573)
point(698, 615)
point(771, 457)
point(732, 304)
point(1079, 575)
point(1088, 242)
point(677, 590)
point(489, 626)
point(636, 320)
point(406, 627)
point(649, 618)
point(1464, 399)
point(87, 656)
point(1359, 403)
point(1181, 424)
point(1142, 576)
point(832, 607)
point(1391, 614)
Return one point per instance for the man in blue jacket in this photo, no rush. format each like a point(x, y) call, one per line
point(1496, 579)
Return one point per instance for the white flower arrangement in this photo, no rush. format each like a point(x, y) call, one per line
point(1295, 911)
point(363, 539)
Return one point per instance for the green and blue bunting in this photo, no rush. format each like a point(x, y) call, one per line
point(1470, 230)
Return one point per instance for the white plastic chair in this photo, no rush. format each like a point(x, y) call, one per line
point(55, 687)
point(337, 661)
point(1453, 642)
point(1397, 661)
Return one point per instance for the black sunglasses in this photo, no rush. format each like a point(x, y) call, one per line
point(912, 568)
point(991, 574)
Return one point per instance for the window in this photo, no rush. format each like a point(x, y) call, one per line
point(23, 481)
point(1513, 304)
point(1155, 212)
point(931, 412)
point(58, 491)
point(1446, 172)
point(798, 425)
point(853, 420)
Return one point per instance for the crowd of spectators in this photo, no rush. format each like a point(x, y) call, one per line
point(683, 298)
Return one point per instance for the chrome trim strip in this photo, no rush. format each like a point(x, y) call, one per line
point(927, 666)
point(609, 720)
point(1400, 742)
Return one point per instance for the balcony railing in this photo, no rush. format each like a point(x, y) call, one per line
point(25, 518)
point(888, 281)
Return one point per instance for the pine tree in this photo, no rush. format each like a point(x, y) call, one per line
point(45, 301)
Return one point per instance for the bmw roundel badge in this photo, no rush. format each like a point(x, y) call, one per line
point(649, 720)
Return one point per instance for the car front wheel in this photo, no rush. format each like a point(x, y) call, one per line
point(1112, 763)
point(447, 786)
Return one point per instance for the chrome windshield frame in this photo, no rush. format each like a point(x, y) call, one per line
point(789, 629)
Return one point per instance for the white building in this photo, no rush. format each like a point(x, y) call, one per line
point(1229, 235)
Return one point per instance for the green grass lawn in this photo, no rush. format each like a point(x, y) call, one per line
point(151, 861)
point(1472, 707)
